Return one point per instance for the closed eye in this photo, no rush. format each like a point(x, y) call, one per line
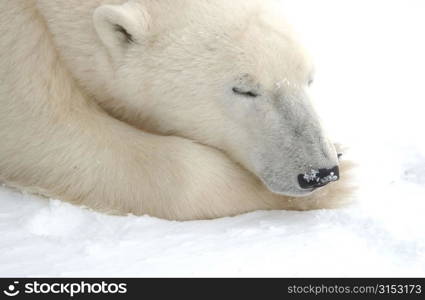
point(310, 82)
point(250, 94)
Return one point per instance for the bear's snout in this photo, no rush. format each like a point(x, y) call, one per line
point(318, 178)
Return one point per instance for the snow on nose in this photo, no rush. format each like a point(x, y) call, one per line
point(318, 178)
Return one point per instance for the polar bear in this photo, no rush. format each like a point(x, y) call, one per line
point(177, 109)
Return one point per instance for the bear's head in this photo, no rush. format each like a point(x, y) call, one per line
point(228, 74)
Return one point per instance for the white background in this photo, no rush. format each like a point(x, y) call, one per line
point(370, 92)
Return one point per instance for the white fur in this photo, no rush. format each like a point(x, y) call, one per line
point(141, 128)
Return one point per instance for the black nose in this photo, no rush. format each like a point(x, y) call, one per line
point(318, 178)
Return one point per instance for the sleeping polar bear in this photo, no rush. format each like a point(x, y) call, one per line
point(179, 109)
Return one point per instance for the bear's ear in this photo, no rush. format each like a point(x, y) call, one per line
point(119, 26)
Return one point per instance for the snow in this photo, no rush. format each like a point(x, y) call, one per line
point(311, 176)
point(369, 91)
